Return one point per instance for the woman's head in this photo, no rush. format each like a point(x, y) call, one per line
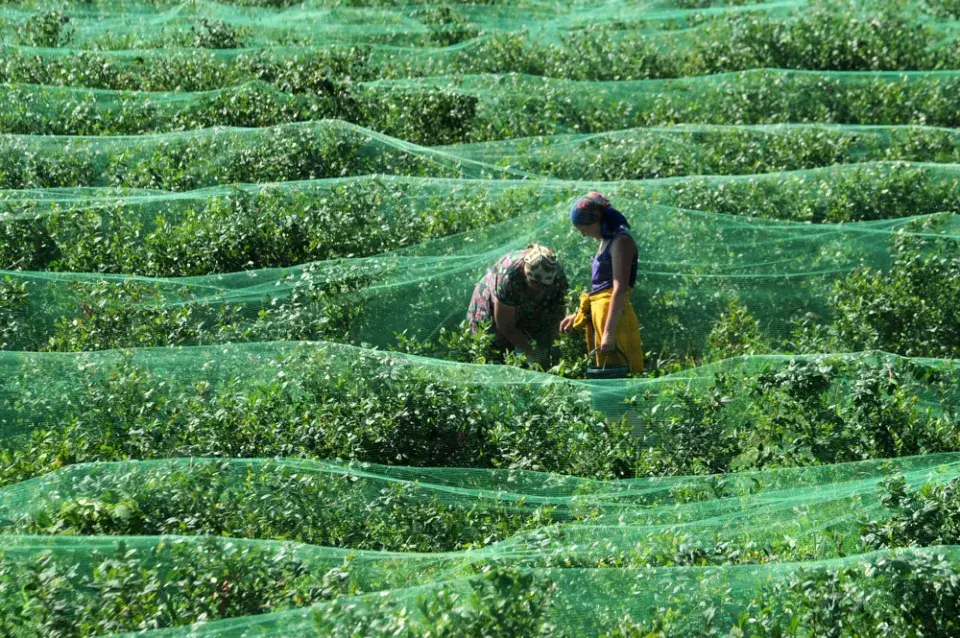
point(594, 217)
point(540, 265)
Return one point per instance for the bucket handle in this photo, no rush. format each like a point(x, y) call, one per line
point(617, 349)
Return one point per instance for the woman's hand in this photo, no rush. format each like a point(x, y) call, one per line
point(608, 343)
point(567, 324)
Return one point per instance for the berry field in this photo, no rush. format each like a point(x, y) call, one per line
point(238, 396)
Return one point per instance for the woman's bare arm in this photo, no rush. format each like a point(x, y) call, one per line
point(506, 319)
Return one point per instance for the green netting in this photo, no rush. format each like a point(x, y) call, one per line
point(634, 546)
point(204, 232)
point(550, 597)
point(547, 521)
point(237, 244)
point(141, 25)
point(698, 272)
point(323, 400)
point(469, 108)
point(644, 38)
point(222, 156)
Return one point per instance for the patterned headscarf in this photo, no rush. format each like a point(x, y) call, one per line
point(540, 264)
point(594, 207)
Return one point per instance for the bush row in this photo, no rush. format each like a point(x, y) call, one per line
point(840, 36)
point(56, 28)
point(325, 407)
point(424, 26)
point(905, 306)
point(186, 161)
point(243, 230)
point(442, 116)
point(91, 592)
point(363, 512)
point(685, 151)
point(241, 501)
point(325, 404)
point(164, 586)
point(181, 162)
point(173, 584)
point(447, 111)
point(910, 307)
point(830, 36)
point(266, 228)
point(850, 195)
point(317, 70)
point(902, 300)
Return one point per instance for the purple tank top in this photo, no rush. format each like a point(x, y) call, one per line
point(602, 274)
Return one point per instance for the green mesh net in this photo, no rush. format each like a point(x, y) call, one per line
point(702, 273)
point(239, 397)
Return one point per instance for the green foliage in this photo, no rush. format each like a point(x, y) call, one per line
point(834, 36)
point(944, 8)
point(216, 34)
point(331, 300)
point(49, 29)
point(270, 89)
point(925, 517)
point(224, 499)
point(317, 69)
point(328, 408)
point(798, 414)
point(25, 243)
point(910, 308)
point(446, 26)
point(829, 600)
point(460, 344)
point(567, 358)
point(842, 36)
point(736, 333)
point(916, 595)
point(503, 602)
point(13, 299)
point(125, 313)
point(326, 149)
point(499, 602)
point(857, 194)
point(288, 154)
point(170, 584)
point(423, 117)
point(123, 327)
point(644, 154)
point(128, 314)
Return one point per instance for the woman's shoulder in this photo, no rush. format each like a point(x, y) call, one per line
point(511, 262)
point(623, 237)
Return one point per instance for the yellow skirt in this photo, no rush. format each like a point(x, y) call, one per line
point(592, 315)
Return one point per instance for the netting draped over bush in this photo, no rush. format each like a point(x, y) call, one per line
point(238, 397)
point(609, 562)
point(696, 270)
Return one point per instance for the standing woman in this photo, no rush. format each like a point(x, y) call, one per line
point(606, 313)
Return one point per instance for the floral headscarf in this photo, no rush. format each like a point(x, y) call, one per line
point(540, 264)
point(594, 207)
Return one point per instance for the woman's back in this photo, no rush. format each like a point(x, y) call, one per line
point(602, 272)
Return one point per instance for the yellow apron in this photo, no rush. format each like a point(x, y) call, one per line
point(591, 316)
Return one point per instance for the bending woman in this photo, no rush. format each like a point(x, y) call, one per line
point(523, 297)
point(606, 313)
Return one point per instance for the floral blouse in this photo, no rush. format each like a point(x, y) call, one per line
point(506, 280)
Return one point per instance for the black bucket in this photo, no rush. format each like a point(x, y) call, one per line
point(609, 372)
